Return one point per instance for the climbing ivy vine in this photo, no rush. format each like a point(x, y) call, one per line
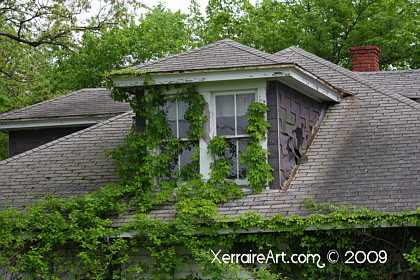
point(111, 234)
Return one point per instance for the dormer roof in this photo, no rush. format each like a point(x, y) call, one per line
point(83, 107)
point(221, 54)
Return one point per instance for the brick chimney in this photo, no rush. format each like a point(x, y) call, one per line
point(365, 59)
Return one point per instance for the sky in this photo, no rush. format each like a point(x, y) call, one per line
point(175, 5)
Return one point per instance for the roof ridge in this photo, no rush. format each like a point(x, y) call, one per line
point(47, 101)
point(150, 63)
point(357, 77)
point(251, 50)
point(391, 71)
point(284, 51)
point(228, 42)
point(46, 145)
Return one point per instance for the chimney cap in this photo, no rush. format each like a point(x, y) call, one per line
point(365, 48)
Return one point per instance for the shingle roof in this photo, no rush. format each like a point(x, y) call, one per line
point(405, 82)
point(84, 102)
point(339, 77)
point(222, 54)
point(366, 152)
point(69, 166)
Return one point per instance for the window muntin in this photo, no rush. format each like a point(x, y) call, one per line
point(231, 122)
point(179, 126)
point(175, 115)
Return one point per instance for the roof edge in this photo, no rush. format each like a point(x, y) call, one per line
point(357, 76)
point(47, 145)
point(220, 74)
point(47, 101)
point(39, 123)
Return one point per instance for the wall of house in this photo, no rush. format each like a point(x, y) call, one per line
point(292, 116)
point(23, 140)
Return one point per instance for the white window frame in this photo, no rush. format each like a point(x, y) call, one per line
point(184, 139)
point(209, 90)
point(241, 136)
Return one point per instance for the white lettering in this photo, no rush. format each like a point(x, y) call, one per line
point(215, 256)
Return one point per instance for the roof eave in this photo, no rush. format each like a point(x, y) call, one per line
point(23, 124)
point(290, 74)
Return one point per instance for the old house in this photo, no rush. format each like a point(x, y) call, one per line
point(336, 136)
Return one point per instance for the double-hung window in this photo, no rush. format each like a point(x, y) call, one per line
point(231, 122)
point(179, 126)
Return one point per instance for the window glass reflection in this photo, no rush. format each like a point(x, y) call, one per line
point(225, 115)
point(242, 143)
point(231, 120)
point(242, 104)
point(170, 109)
point(183, 124)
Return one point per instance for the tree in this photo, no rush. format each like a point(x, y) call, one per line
point(157, 33)
point(32, 32)
point(329, 28)
point(323, 27)
point(52, 22)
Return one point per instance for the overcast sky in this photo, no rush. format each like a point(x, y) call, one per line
point(176, 5)
point(173, 5)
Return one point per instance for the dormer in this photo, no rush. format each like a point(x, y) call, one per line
point(230, 76)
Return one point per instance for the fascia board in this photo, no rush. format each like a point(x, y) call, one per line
point(327, 226)
point(310, 85)
point(49, 123)
point(291, 75)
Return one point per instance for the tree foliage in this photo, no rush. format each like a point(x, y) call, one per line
point(37, 23)
point(155, 34)
point(323, 27)
point(33, 34)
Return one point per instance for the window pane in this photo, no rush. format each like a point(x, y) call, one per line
point(185, 156)
point(242, 103)
point(231, 153)
point(183, 125)
point(192, 168)
point(225, 115)
point(242, 148)
point(170, 110)
point(171, 162)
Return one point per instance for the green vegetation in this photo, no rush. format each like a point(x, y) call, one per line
point(76, 236)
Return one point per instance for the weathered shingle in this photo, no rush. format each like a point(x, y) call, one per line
point(405, 82)
point(367, 150)
point(84, 102)
point(69, 166)
point(222, 54)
